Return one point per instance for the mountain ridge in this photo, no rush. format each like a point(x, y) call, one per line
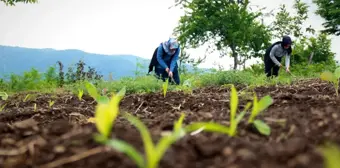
point(17, 60)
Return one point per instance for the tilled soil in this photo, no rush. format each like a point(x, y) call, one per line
point(304, 115)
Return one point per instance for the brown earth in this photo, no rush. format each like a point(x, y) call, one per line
point(60, 136)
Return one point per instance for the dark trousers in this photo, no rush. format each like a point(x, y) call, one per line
point(162, 74)
point(270, 66)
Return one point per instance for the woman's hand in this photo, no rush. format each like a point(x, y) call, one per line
point(170, 74)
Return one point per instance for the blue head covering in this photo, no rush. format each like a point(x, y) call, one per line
point(170, 44)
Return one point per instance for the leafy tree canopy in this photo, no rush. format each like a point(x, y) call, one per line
point(13, 2)
point(330, 11)
point(227, 23)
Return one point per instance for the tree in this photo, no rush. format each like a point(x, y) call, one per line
point(288, 24)
point(226, 23)
point(13, 2)
point(330, 11)
point(318, 45)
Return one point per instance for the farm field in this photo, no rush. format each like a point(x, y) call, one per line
point(304, 116)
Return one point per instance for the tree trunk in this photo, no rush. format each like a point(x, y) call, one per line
point(234, 54)
point(244, 64)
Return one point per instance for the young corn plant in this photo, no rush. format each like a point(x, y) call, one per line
point(3, 95)
point(50, 103)
point(2, 107)
point(92, 90)
point(165, 87)
point(154, 153)
point(106, 114)
point(259, 106)
point(26, 97)
point(216, 127)
point(35, 107)
point(333, 78)
point(80, 94)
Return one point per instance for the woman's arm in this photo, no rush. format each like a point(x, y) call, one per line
point(174, 60)
point(160, 57)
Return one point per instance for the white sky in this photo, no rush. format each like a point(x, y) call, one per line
point(106, 26)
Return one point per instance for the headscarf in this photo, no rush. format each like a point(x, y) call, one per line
point(286, 40)
point(170, 44)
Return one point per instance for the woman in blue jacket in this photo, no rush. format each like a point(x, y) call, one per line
point(167, 54)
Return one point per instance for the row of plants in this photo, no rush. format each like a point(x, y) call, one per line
point(107, 110)
point(50, 80)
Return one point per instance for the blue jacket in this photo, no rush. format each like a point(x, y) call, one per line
point(164, 62)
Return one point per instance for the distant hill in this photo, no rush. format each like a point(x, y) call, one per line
point(18, 60)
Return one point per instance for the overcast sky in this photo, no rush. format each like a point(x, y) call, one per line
point(106, 26)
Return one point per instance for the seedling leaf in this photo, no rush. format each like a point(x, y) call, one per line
point(128, 150)
point(92, 90)
point(331, 155)
point(262, 127)
point(259, 106)
point(3, 95)
point(104, 117)
point(208, 127)
point(103, 99)
point(106, 113)
point(178, 129)
point(165, 87)
point(26, 97)
point(264, 103)
point(80, 93)
point(233, 102)
point(146, 137)
point(327, 76)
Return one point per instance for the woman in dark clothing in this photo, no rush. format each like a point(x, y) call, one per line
point(274, 54)
point(165, 60)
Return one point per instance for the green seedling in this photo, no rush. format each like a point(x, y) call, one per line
point(92, 90)
point(3, 95)
point(165, 87)
point(331, 155)
point(333, 78)
point(216, 127)
point(80, 93)
point(2, 107)
point(106, 114)
point(259, 106)
point(26, 97)
point(35, 107)
point(154, 153)
point(50, 103)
